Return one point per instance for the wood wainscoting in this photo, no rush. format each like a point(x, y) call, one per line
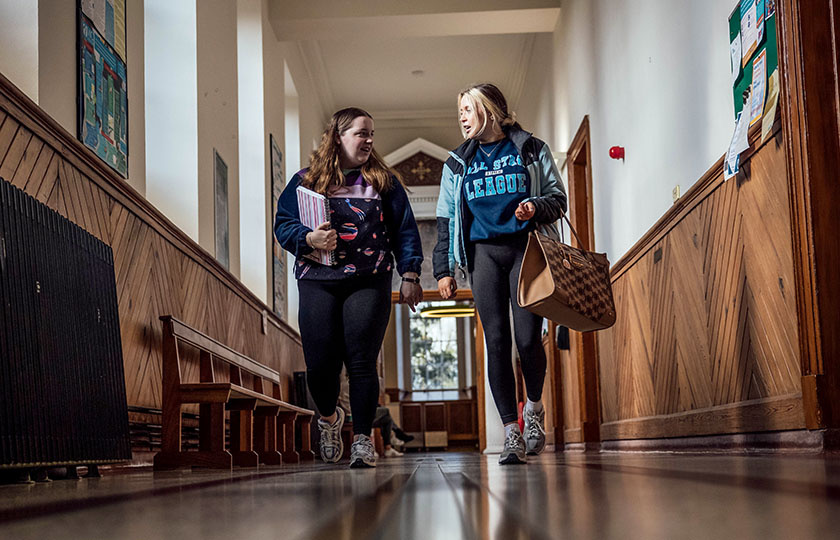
point(706, 339)
point(159, 269)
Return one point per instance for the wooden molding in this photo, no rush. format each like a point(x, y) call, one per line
point(769, 414)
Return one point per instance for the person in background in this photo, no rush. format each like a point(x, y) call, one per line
point(499, 185)
point(344, 309)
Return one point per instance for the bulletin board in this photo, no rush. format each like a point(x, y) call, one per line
point(768, 43)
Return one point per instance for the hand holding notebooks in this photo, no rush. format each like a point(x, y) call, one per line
point(314, 209)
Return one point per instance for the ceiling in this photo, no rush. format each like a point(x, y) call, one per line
point(405, 61)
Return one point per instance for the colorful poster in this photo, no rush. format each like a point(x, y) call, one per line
point(108, 17)
point(759, 20)
point(278, 265)
point(759, 87)
point(771, 8)
point(749, 41)
point(103, 107)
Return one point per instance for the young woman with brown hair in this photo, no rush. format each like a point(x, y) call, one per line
point(344, 309)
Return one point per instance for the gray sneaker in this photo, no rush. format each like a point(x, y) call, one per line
point(332, 447)
point(514, 450)
point(362, 453)
point(534, 431)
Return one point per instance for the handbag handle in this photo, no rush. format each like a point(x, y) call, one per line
point(574, 232)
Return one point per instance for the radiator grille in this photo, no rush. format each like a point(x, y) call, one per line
point(62, 386)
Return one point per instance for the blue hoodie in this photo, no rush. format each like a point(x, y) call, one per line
point(546, 192)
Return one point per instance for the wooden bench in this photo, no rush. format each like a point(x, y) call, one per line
point(262, 425)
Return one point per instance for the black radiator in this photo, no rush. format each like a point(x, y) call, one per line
point(62, 386)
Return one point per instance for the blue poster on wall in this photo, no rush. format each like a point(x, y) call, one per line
point(103, 104)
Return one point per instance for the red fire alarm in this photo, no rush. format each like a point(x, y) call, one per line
point(617, 152)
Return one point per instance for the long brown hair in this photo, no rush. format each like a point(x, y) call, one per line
point(489, 100)
point(325, 166)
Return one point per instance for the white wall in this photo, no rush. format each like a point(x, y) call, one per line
point(388, 139)
point(57, 61)
point(19, 50)
point(135, 39)
point(291, 162)
point(253, 234)
point(172, 111)
point(652, 78)
point(217, 119)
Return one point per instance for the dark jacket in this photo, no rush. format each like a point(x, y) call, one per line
point(403, 238)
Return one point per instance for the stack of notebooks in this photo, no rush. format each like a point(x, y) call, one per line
point(314, 209)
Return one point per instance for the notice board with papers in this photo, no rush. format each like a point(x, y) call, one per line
point(754, 48)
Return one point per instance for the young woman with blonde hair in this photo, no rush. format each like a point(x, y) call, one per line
point(344, 309)
point(499, 185)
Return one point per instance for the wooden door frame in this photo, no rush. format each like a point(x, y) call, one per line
point(432, 295)
point(811, 133)
point(579, 167)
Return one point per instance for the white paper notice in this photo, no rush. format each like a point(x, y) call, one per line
point(759, 86)
point(738, 144)
point(735, 58)
point(772, 102)
point(749, 36)
point(742, 130)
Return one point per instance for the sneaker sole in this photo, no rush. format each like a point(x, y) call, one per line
point(512, 459)
point(361, 464)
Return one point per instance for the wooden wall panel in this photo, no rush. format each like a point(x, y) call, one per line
point(158, 270)
point(707, 316)
point(571, 397)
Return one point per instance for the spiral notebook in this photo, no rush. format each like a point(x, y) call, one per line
point(314, 209)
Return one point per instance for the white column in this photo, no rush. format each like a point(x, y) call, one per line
point(172, 111)
point(253, 229)
point(19, 45)
point(291, 159)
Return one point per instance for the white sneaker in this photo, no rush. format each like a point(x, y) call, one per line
point(392, 452)
point(362, 453)
point(332, 447)
point(534, 431)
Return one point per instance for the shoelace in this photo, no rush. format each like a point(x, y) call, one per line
point(533, 424)
point(513, 442)
point(364, 446)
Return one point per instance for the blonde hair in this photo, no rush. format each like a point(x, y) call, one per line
point(488, 100)
point(325, 166)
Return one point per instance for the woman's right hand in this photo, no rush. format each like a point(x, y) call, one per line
point(447, 287)
point(323, 237)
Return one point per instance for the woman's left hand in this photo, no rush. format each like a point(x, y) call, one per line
point(411, 294)
point(525, 211)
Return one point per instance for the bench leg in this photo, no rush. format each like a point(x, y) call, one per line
point(211, 441)
point(265, 438)
point(303, 424)
point(242, 438)
point(211, 427)
point(286, 428)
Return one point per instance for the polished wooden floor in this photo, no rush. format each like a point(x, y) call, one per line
point(449, 496)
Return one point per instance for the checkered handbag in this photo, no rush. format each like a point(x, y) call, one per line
point(567, 285)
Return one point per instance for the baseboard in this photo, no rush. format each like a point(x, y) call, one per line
point(794, 441)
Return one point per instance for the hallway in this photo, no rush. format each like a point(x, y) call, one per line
point(448, 496)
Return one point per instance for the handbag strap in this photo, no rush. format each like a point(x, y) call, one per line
point(574, 232)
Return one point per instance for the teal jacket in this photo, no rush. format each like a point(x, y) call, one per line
point(547, 194)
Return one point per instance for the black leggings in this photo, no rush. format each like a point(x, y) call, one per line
point(494, 272)
point(343, 322)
